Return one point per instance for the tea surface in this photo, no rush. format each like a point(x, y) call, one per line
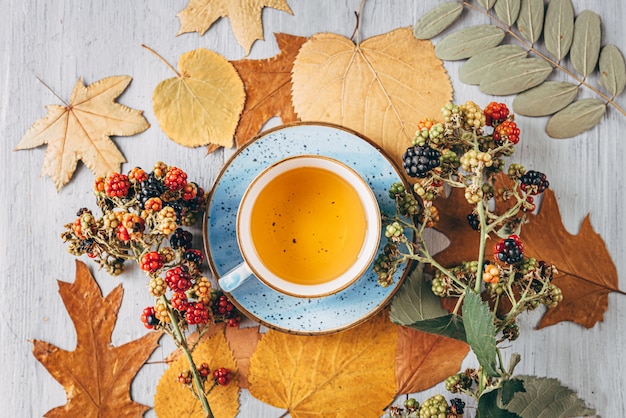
point(308, 225)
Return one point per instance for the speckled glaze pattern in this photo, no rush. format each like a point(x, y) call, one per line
point(308, 316)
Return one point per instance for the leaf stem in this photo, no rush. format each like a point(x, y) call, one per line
point(543, 56)
point(162, 59)
point(53, 92)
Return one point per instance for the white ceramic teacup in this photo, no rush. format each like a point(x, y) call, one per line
point(307, 226)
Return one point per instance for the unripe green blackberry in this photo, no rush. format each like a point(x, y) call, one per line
point(434, 407)
point(396, 189)
point(458, 382)
point(438, 287)
point(516, 171)
point(449, 111)
point(511, 332)
point(411, 404)
point(553, 297)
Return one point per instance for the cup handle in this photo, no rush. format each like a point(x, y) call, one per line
point(235, 277)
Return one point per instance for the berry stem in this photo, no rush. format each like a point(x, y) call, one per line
point(481, 249)
point(553, 63)
point(180, 337)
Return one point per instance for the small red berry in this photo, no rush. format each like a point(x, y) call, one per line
point(117, 185)
point(151, 262)
point(197, 313)
point(137, 174)
point(185, 377)
point(203, 370)
point(222, 376)
point(179, 301)
point(190, 191)
point(507, 130)
point(148, 317)
point(178, 279)
point(122, 233)
point(495, 113)
point(175, 179)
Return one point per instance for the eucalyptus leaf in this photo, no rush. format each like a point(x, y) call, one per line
point(559, 28)
point(576, 118)
point(612, 70)
point(530, 20)
point(586, 42)
point(475, 68)
point(468, 42)
point(546, 398)
point(480, 331)
point(415, 300)
point(525, 74)
point(437, 20)
point(508, 11)
point(489, 407)
point(487, 4)
point(545, 99)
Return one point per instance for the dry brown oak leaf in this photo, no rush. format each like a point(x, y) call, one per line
point(381, 87)
point(81, 130)
point(424, 359)
point(244, 15)
point(173, 400)
point(346, 374)
point(268, 89)
point(96, 376)
point(586, 272)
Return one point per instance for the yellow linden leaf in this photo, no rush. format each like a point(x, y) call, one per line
point(346, 374)
point(381, 87)
point(202, 104)
point(245, 17)
point(173, 400)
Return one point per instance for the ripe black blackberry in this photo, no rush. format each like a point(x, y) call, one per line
point(474, 221)
point(181, 239)
point(510, 250)
point(152, 187)
point(534, 182)
point(456, 406)
point(417, 161)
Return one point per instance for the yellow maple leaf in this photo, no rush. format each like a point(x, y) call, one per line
point(173, 400)
point(380, 88)
point(346, 374)
point(81, 130)
point(202, 104)
point(245, 17)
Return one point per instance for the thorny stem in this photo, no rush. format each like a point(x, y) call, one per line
point(182, 343)
point(553, 63)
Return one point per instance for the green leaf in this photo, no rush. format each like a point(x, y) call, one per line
point(480, 331)
point(468, 42)
point(475, 68)
point(417, 307)
point(510, 388)
point(530, 20)
point(487, 4)
point(586, 42)
point(488, 406)
point(546, 398)
point(508, 11)
point(559, 28)
point(415, 300)
point(525, 74)
point(545, 99)
point(576, 118)
point(437, 20)
point(612, 70)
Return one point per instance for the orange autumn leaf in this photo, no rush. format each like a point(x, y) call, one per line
point(381, 87)
point(424, 359)
point(268, 88)
point(81, 130)
point(586, 272)
point(174, 400)
point(96, 376)
point(346, 374)
point(244, 15)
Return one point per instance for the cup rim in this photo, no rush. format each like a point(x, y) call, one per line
point(347, 278)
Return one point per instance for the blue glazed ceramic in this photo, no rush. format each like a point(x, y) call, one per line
point(306, 316)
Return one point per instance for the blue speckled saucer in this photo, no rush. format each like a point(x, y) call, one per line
point(285, 313)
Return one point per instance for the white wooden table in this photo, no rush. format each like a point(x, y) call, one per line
point(62, 40)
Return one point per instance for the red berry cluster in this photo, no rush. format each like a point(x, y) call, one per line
point(178, 278)
point(197, 314)
point(116, 185)
point(175, 179)
point(507, 130)
point(151, 262)
point(148, 317)
point(222, 376)
point(495, 113)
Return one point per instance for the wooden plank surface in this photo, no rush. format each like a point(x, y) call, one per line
point(59, 41)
